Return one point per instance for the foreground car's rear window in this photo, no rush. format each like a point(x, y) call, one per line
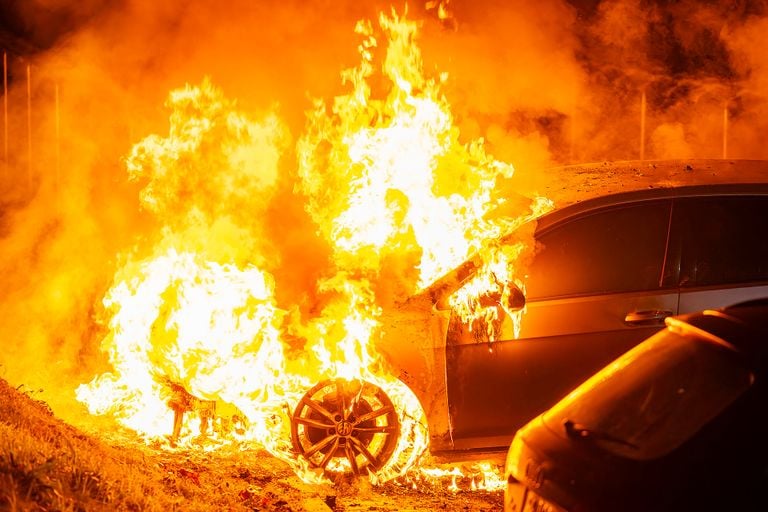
point(655, 397)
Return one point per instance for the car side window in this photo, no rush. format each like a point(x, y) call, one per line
point(617, 249)
point(724, 240)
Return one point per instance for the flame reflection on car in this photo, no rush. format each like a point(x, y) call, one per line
point(677, 423)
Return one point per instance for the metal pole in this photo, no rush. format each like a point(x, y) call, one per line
point(572, 138)
point(29, 127)
point(5, 111)
point(725, 131)
point(58, 140)
point(642, 126)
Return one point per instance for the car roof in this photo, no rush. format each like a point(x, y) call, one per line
point(569, 184)
point(573, 189)
point(743, 326)
point(650, 194)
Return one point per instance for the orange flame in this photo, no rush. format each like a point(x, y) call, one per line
point(390, 174)
point(497, 276)
point(387, 181)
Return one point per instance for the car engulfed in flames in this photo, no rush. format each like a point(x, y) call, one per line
point(199, 339)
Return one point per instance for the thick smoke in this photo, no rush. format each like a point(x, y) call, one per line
point(544, 83)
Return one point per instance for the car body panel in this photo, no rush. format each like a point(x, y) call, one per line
point(563, 340)
point(536, 371)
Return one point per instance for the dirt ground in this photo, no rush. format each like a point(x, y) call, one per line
point(270, 485)
point(48, 464)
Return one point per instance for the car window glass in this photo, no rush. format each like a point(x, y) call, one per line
point(724, 240)
point(656, 396)
point(618, 249)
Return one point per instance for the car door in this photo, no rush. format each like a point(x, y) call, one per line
point(600, 282)
point(724, 258)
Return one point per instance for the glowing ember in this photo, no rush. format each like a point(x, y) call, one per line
point(480, 476)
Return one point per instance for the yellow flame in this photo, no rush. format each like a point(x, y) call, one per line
point(442, 8)
point(183, 322)
point(210, 328)
point(390, 175)
point(483, 299)
point(192, 318)
point(478, 476)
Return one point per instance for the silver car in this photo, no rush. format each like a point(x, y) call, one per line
point(607, 271)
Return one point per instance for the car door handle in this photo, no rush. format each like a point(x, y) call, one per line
point(647, 317)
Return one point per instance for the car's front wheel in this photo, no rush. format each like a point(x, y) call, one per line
point(344, 426)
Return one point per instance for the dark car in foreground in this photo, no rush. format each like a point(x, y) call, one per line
point(679, 422)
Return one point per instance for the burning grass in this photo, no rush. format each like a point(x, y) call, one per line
point(46, 464)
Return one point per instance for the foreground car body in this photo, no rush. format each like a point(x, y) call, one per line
point(677, 423)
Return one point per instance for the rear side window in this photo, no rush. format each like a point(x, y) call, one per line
point(724, 240)
point(618, 249)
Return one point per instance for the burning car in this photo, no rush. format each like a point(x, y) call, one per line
point(459, 366)
point(388, 315)
point(606, 273)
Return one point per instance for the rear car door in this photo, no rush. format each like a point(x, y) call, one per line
point(600, 282)
point(724, 256)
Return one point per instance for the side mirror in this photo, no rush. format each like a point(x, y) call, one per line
point(516, 299)
point(514, 302)
point(441, 290)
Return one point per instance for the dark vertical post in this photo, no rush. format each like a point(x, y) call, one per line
point(5, 111)
point(642, 126)
point(29, 127)
point(58, 140)
point(725, 131)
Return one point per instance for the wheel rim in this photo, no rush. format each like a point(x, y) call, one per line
point(345, 426)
